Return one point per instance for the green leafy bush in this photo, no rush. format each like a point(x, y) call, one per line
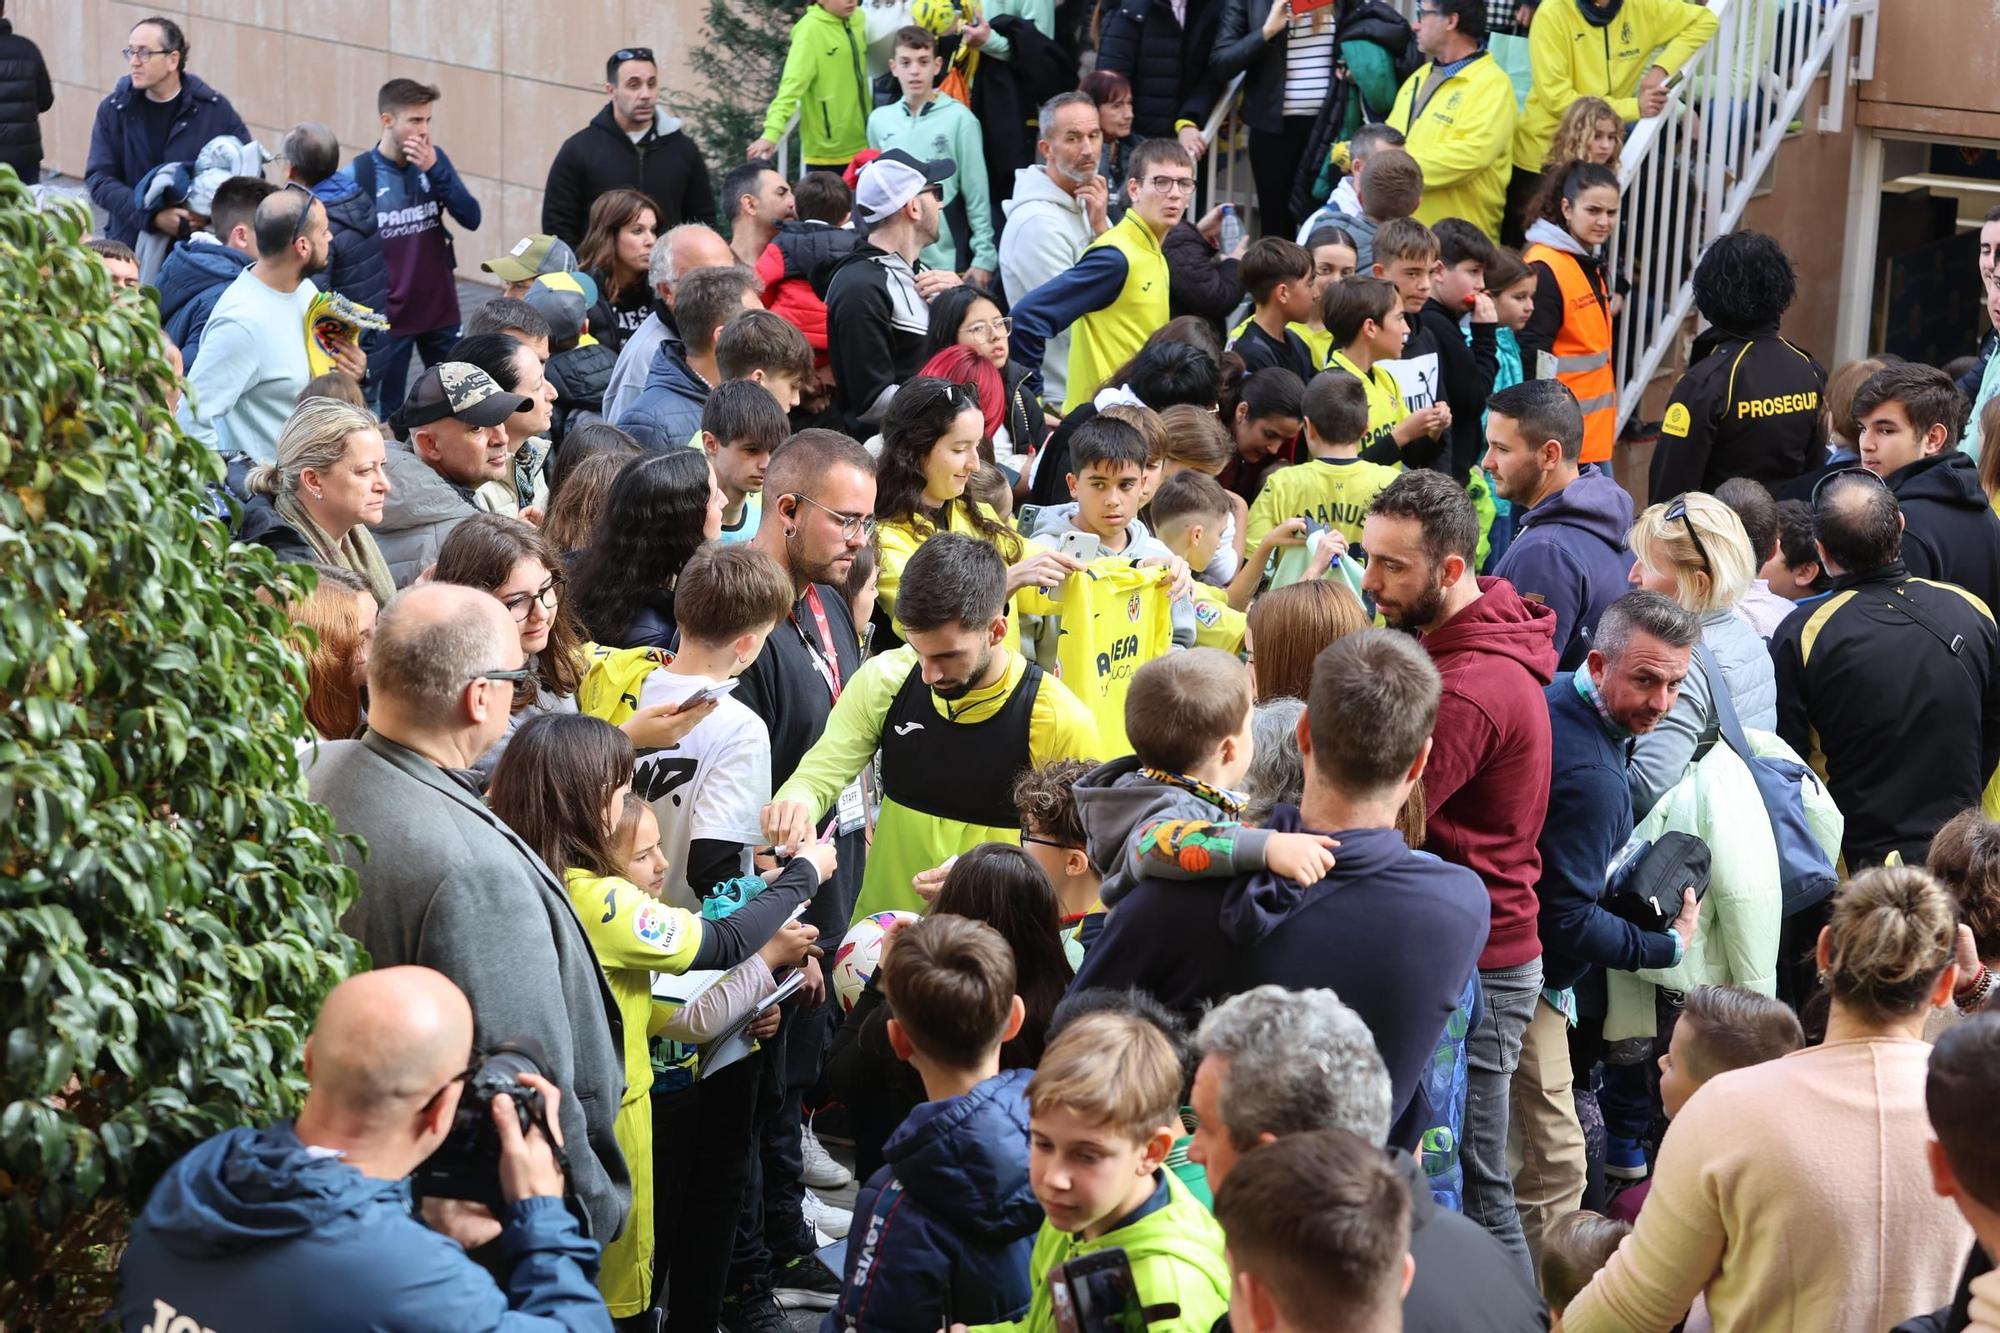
point(168, 895)
point(736, 63)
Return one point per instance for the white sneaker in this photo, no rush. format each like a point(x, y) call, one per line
point(821, 1171)
point(830, 1219)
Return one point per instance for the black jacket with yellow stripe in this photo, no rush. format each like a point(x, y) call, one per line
point(1890, 688)
point(1748, 406)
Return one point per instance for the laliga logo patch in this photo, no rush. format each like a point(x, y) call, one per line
point(654, 925)
point(1208, 613)
point(1132, 609)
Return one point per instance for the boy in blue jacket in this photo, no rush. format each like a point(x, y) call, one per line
point(944, 1231)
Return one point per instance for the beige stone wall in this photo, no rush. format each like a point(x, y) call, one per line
point(518, 76)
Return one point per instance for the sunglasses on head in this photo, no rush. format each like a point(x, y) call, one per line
point(1678, 510)
point(644, 53)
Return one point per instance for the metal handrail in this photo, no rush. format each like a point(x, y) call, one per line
point(785, 146)
point(1688, 174)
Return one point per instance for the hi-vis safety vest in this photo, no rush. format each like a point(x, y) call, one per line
point(1116, 617)
point(1106, 339)
point(1583, 350)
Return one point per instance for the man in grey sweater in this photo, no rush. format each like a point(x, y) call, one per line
point(446, 885)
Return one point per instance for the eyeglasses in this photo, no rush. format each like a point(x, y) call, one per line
point(1171, 184)
point(990, 328)
point(853, 527)
point(1678, 509)
point(1822, 483)
point(132, 53)
point(305, 212)
point(644, 53)
point(1050, 842)
point(514, 677)
point(545, 597)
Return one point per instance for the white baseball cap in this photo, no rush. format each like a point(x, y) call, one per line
point(895, 178)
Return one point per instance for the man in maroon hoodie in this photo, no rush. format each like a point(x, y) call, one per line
point(1487, 787)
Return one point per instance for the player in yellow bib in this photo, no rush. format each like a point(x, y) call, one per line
point(956, 714)
point(562, 786)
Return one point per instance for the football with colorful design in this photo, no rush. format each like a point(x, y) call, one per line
point(943, 16)
point(859, 952)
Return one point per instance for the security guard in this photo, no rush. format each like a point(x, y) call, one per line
point(1749, 404)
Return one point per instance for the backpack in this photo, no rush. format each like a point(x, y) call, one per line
point(614, 680)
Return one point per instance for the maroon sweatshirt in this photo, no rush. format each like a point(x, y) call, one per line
point(1487, 786)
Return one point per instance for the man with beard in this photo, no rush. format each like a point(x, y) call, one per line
point(1487, 787)
point(252, 364)
point(1116, 295)
point(1057, 209)
point(877, 294)
point(1627, 683)
point(631, 142)
point(957, 715)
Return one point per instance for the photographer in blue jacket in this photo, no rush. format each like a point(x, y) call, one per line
point(308, 1225)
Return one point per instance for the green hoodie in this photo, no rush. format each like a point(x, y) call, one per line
point(825, 82)
point(945, 129)
point(1176, 1256)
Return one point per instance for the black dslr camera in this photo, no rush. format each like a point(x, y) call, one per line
point(467, 1164)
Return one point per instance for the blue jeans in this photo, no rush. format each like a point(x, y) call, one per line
point(389, 364)
point(1492, 1052)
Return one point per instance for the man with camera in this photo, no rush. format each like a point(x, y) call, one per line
point(308, 1225)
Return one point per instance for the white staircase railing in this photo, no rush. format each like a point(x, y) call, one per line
point(1688, 173)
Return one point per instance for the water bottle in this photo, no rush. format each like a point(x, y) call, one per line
point(1232, 229)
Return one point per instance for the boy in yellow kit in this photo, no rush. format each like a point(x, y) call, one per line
point(1334, 487)
point(1190, 515)
point(1366, 320)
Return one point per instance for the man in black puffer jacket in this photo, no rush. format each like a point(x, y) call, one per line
point(25, 93)
point(312, 156)
point(1164, 58)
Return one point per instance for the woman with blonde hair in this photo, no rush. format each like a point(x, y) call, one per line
point(316, 503)
point(1796, 1193)
point(1694, 550)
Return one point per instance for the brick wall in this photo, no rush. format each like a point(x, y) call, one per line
point(518, 76)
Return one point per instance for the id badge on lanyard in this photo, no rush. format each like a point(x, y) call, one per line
point(851, 813)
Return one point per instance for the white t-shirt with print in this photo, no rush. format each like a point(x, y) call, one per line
point(714, 784)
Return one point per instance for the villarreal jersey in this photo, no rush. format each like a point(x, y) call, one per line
point(1115, 617)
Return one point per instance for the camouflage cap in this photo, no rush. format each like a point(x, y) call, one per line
point(461, 390)
point(531, 257)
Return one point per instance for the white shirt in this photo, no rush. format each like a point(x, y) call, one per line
point(714, 784)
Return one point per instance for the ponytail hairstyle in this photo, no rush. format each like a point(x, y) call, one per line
point(1272, 392)
point(314, 437)
point(1892, 935)
point(1562, 183)
point(1197, 439)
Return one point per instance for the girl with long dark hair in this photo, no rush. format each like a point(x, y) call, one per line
point(562, 786)
point(661, 508)
point(1576, 213)
point(617, 253)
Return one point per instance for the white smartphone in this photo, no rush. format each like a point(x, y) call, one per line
point(1081, 546)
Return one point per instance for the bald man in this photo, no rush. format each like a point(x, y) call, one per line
point(307, 1225)
point(682, 250)
point(447, 885)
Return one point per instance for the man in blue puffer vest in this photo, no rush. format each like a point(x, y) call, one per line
point(196, 274)
point(307, 1225)
point(943, 1233)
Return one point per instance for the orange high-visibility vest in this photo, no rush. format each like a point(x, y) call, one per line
point(1582, 350)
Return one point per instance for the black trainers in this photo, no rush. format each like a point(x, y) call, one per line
point(753, 1309)
point(805, 1283)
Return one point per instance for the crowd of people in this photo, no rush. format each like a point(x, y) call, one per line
point(1165, 737)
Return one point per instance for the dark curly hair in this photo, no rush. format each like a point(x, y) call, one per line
point(1744, 282)
point(1562, 183)
point(650, 526)
point(918, 417)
